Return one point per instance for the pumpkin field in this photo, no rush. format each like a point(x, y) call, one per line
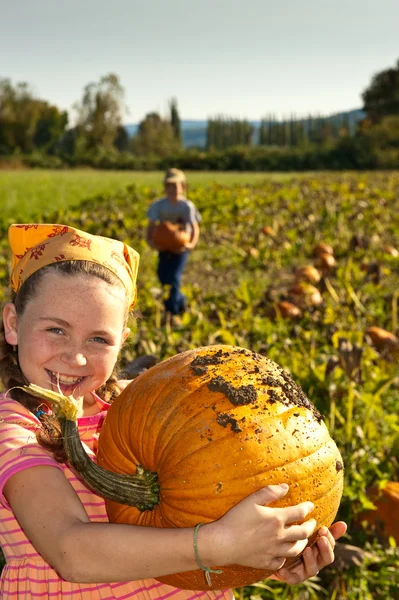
point(303, 269)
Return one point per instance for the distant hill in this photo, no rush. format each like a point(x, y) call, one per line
point(194, 131)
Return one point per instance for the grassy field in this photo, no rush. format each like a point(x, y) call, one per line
point(254, 237)
point(26, 193)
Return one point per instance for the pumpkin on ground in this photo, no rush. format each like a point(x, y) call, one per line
point(384, 519)
point(217, 424)
point(170, 237)
point(323, 248)
point(385, 342)
point(195, 434)
point(287, 310)
point(307, 273)
point(305, 295)
point(325, 262)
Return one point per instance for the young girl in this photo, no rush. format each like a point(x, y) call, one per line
point(64, 328)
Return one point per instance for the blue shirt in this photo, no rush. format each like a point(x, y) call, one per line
point(182, 211)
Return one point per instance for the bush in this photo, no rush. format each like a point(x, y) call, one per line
point(43, 161)
point(360, 152)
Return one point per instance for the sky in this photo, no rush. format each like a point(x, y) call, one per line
point(238, 58)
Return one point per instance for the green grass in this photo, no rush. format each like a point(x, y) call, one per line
point(26, 193)
point(234, 280)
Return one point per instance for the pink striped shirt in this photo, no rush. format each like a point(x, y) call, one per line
point(26, 574)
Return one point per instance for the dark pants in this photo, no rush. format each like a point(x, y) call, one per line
point(170, 271)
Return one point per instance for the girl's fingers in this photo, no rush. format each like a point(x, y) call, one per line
point(315, 558)
point(307, 567)
point(337, 530)
point(290, 575)
point(297, 512)
point(269, 494)
point(326, 538)
point(300, 532)
point(310, 562)
point(277, 563)
point(325, 552)
point(326, 534)
point(293, 549)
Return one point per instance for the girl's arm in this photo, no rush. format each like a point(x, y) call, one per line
point(55, 521)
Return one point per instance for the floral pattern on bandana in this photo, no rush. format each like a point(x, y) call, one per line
point(35, 246)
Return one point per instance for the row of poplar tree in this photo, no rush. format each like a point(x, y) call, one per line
point(223, 132)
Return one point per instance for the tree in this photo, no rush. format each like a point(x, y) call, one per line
point(121, 141)
point(224, 132)
point(175, 119)
point(18, 116)
point(27, 122)
point(155, 136)
point(385, 134)
point(100, 112)
point(50, 126)
point(67, 143)
point(381, 98)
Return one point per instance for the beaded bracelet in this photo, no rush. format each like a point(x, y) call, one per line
point(207, 570)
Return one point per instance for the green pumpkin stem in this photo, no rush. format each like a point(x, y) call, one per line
point(140, 490)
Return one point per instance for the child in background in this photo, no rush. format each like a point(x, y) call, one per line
point(174, 207)
point(72, 293)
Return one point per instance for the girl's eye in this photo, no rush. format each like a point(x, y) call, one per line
point(56, 330)
point(99, 340)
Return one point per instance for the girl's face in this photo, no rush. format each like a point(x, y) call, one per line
point(70, 332)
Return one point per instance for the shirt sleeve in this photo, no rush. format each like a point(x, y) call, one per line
point(194, 214)
point(19, 448)
point(153, 212)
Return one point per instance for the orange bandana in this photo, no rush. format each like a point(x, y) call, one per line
point(35, 246)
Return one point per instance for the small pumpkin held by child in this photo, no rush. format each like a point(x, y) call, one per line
point(170, 237)
point(215, 424)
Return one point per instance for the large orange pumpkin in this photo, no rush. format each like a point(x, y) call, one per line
point(217, 424)
point(170, 237)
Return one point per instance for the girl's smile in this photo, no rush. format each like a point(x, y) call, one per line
point(70, 333)
point(64, 383)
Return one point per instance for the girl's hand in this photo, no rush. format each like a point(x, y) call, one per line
point(258, 536)
point(315, 558)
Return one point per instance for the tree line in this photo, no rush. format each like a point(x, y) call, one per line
point(39, 132)
point(28, 124)
point(224, 132)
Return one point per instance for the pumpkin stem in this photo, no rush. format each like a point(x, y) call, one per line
point(140, 490)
